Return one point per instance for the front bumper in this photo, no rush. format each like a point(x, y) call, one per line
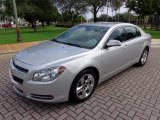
point(52, 91)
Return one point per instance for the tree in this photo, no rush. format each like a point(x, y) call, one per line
point(143, 8)
point(95, 6)
point(116, 5)
point(156, 5)
point(50, 12)
point(1, 4)
point(2, 12)
point(123, 17)
point(30, 12)
point(33, 10)
point(108, 6)
point(6, 10)
point(72, 8)
point(102, 18)
point(37, 10)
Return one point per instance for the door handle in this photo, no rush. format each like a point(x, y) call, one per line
point(125, 46)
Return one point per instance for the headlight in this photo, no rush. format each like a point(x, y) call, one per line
point(48, 74)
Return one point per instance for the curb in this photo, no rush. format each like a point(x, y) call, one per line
point(11, 51)
point(5, 53)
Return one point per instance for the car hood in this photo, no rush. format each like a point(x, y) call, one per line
point(48, 52)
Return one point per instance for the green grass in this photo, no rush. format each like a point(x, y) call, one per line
point(49, 32)
point(28, 35)
point(155, 34)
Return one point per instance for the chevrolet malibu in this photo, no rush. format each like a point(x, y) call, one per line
point(70, 66)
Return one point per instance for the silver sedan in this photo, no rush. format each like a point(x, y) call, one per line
point(70, 66)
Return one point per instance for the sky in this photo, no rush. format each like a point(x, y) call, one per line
point(89, 14)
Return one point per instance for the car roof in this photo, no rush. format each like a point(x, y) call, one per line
point(105, 24)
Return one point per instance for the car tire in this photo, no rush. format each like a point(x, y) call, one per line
point(143, 58)
point(83, 86)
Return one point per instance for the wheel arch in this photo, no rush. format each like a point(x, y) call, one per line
point(147, 47)
point(90, 68)
point(95, 70)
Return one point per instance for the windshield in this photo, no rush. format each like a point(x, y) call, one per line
point(82, 36)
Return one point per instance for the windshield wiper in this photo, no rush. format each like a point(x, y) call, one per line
point(55, 40)
point(72, 44)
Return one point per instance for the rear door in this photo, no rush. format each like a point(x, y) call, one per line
point(133, 44)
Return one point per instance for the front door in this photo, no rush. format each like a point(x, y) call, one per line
point(113, 58)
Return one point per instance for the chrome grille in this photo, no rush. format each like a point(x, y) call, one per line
point(20, 68)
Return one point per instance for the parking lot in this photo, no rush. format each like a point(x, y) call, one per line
point(132, 94)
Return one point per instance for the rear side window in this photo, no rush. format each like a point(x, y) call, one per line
point(138, 33)
point(117, 34)
point(132, 32)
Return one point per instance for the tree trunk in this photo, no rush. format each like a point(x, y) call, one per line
point(71, 18)
point(48, 23)
point(112, 15)
point(157, 22)
point(115, 16)
point(72, 21)
point(81, 19)
point(151, 17)
point(137, 22)
point(95, 16)
point(107, 15)
point(118, 14)
point(43, 24)
point(129, 18)
point(35, 26)
point(32, 24)
point(95, 13)
point(144, 22)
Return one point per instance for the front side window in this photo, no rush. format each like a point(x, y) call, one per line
point(82, 36)
point(117, 34)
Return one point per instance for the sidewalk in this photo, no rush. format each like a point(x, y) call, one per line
point(12, 48)
point(155, 41)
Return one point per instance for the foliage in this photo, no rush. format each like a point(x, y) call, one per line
point(71, 8)
point(104, 18)
point(5, 10)
point(116, 5)
point(33, 10)
point(145, 8)
point(95, 6)
point(2, 13)
point(123, 17)
point(37, 10)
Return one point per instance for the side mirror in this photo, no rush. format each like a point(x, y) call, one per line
point(113, 43)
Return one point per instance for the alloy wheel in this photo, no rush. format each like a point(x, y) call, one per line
point(85, 86)
point(144, 57)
